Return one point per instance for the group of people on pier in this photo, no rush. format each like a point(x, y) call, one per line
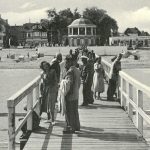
point(61, 79)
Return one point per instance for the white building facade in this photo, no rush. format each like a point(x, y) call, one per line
point(139, 41)
point(82, 32)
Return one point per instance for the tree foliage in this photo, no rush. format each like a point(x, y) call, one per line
point(105, 24)
point(57, 22)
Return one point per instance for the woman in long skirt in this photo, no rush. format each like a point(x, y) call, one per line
point(98, 78)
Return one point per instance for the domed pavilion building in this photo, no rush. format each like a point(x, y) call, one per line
point(82, 32)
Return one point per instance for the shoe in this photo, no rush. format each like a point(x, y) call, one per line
point(84, 104)
point(48, 121)
point(23, 136)
point(91, 102)
point(68, 131)
point(110, 99)
point(99, 98)
point(53, 123)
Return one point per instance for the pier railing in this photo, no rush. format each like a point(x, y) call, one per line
point(107, 67)
point(131, 96)
point(30, 91)
point(131, 93)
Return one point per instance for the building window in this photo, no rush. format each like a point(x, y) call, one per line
point(86, 41)
point(81, 31)
point(88, 31)
point(44, 34)
point(29, 35)
point(70, 31)
point(94, 31)
point(78, 42)
point(75, 31)
point(36, 33)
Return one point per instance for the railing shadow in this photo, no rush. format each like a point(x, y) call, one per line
point(46, 131)
point(110, 136)
point(66, 142)
point(102, 106)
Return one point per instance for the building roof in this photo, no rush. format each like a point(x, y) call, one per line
point(19, 28)
point(28, 26)
point(37, 27)
point(132, 31)
point(82, 22)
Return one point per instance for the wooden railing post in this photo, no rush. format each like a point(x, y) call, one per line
point(29, 107)
point(139, 117)
point(123, 103)
point(130, 96)
point(11, 126)
point(118, 92)
point(125, 100)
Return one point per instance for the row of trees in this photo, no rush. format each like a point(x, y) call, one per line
point(57, 23)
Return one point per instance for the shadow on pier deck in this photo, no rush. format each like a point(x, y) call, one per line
point(104, 126)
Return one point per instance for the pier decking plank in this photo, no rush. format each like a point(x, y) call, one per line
point(104, 126)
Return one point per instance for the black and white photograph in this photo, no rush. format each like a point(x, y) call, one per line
point(74, 74)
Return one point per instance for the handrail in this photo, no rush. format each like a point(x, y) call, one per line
point(136, 83)
point(12, 102)
point(107, 67)
point(17, 97)
point(127, 83)
point(126, 92)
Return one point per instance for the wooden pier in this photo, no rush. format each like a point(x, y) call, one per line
point(104, 126)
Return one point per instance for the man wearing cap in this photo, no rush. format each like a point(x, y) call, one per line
point(87, 78)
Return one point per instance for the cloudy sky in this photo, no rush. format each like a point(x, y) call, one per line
point(128, 13)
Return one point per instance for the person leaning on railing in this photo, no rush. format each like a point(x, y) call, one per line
point(35, 124)
point(114, 74)
point(49, 89)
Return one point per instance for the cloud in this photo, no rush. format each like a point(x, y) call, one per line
point(138, 18)
point(21, 18)
point(28, 5)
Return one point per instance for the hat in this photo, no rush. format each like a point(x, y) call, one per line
point(72, 57)
point(84, 57)
point(68, 58)
point(59, 56)
point(120, 56)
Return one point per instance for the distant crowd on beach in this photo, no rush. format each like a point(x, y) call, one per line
point(61, 80)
